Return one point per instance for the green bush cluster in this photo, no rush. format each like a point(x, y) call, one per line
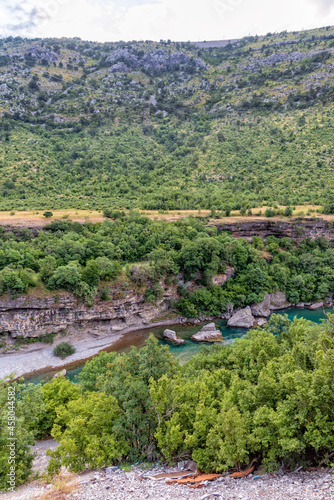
point(63, 349)
point(267, 396)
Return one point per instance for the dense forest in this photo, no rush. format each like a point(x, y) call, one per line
point(96, 261)
point(267, 396)
point(167, 125)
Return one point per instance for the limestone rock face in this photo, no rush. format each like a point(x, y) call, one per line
point(208, 333)
point(154, 62)
point(171, 335)
point(40, 53)
point(316, 305)
point(262, 308)
point(278, 300)
point(34, 317)
point(242, 318)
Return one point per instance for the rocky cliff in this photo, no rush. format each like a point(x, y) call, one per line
point(34, 317)
point(297, 229)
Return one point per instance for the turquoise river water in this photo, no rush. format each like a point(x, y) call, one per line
point(189, 348)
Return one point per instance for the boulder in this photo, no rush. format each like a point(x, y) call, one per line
point(242, 318)
point(171, 335)
point(62, 373)
point(300, 305)
point(208, 333)
point(316, 305)
point(259, 322)
point(278, 300)
point(262, 308)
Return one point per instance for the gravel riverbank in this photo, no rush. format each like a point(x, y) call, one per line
point(38, 358)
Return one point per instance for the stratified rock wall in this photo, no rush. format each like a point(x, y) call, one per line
point(32, 317)
point(296, 229)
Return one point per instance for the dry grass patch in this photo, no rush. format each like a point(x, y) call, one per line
point(62, 485)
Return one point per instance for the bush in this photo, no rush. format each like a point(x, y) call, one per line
point(270, 212)
point(288, 211)
point(113, 214)
point(48, 214)
point(63, 350)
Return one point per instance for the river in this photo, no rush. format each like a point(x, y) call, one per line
point(189, 348)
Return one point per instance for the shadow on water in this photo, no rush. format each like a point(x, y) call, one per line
point(185, 351)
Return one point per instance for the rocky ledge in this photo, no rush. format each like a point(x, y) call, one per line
point(208, 333)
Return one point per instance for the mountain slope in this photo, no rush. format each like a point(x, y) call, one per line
point(167, 125)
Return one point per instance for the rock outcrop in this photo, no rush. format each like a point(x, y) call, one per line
point(41, 54)
point(27, 316)
point(171, 335)
point(271, 302)
point(259, 322)
point(208, 333)
point(154, 62)
point(278, 300)
point(297, 229)
point(221, 279)
point(242, 318)
point(262, 308)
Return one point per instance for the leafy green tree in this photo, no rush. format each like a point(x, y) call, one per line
point(91, 273)
point(85, 428)
point(66, 277)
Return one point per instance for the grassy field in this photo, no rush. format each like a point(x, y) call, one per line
point(36, 219)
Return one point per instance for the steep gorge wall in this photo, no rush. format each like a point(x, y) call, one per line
point(34, 317)
point(297, 229)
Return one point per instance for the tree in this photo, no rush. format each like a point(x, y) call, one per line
point(67, 277)
point(85, 428)
point(48, 214)
point(127, 378)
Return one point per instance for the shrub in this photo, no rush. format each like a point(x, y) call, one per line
point(63, 350)
point(270, 212)
point(288, 212)
point(48, 214)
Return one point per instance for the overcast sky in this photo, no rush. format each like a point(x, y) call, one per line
point(107, 20)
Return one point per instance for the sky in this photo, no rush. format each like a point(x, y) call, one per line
point(178, 20)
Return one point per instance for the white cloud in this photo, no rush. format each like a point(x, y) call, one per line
point(105, 20)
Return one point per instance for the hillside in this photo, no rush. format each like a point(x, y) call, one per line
point(165, 126)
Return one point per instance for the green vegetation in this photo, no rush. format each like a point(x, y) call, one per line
point(230, 128)
point(48, 214)
point(63, 349)
point(268, 396)
point(103, 260)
